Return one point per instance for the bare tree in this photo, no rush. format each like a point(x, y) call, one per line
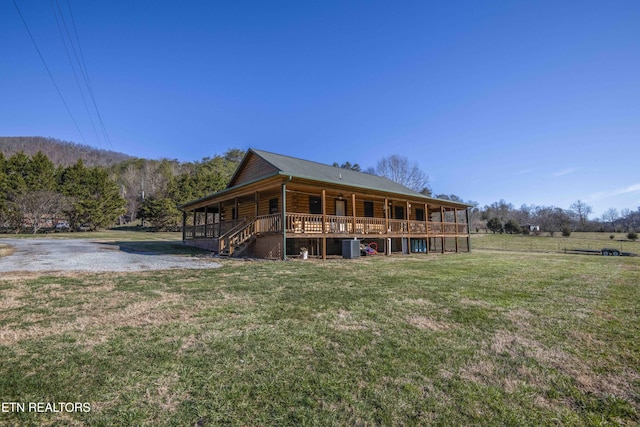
point(398, 168)
point(38, 207)
point(551, 218)
point(611, 216)
point(582, 211)
point(626, 216)
point(501, 209)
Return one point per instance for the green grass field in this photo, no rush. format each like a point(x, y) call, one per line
point(487, 338)
point(557, 243)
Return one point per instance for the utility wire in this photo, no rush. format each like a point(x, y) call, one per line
point(86, 73)
point(73, 68)
point(49, 72)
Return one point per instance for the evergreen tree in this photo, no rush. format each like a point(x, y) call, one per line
point(512, 227)
point(206, 177)
point(40, 173)
point(4, 188)
point(17, 168)
point(161, 212)
point(495, 225)
point(97, 201)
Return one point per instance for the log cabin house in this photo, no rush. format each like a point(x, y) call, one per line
point(274, 205)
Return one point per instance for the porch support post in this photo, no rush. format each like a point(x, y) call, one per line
point(324, 224)
point(194, 223)
point(206, 218)
point(455, 216)
point(408, 215)
point(468, 231)
point(426, 226)
point(256, 200)
point(387, 250)
point(284, 220)
point(235, 208)
point(184, 226)
point(442, 225)
point(219, 219)
point(353, 211)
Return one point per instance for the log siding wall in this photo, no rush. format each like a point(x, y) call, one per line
point(254, 168)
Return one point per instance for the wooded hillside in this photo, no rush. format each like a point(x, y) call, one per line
point(61, 153)
point(36, 193)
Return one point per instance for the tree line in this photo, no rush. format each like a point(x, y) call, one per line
point(37, 193)
point(503, 217)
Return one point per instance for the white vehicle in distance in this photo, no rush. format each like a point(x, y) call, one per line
point(62, 226)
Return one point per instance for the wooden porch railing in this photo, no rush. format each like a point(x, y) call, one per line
point(237, 235)
point(299, 223)
point(269, 224)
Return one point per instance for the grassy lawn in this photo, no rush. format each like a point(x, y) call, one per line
point(487, 338)
point(557, 243)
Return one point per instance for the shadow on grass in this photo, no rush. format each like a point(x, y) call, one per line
point(157, 247)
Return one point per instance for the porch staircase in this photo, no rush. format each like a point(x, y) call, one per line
point(237, 240)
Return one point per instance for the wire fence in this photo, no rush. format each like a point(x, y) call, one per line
point(548, 244)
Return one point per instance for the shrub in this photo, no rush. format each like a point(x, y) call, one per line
point(495, 225)
point(612, 236)
point(512, 227)
point(632, 236)
point(566, 231)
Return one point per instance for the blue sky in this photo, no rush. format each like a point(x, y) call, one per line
point(531, 102)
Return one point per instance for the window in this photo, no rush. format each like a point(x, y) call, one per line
point(419, 214)
point(368, 209)
point(273, 206)
point(398, 212)
point(315, 205)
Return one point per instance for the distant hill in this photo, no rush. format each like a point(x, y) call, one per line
point(61, 153)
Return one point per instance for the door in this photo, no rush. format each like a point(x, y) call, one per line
point(341, 211)
point(398, 213)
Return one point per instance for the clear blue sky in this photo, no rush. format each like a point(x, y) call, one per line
point(534, 102)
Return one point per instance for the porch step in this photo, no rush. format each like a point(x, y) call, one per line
point(238, 249)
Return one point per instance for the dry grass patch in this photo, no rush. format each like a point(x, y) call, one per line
point(102, 318)
point(166, 394)
point(344, 321)
point(6, 250)
point(424, 322)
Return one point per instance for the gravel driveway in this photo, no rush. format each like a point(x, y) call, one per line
point(87, 255)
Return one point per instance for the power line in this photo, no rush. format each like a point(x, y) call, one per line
point(73, 68)
point(48, 71)
point(85, 72)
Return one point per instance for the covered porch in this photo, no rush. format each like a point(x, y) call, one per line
point(284, 216)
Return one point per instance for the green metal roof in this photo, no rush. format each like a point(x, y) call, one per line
point(306, 169)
